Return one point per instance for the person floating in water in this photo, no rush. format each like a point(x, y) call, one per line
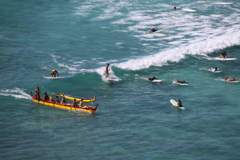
point(223, 54)
point(152, 30)
point(54, 73)
point(107, 70)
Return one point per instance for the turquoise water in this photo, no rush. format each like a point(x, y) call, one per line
point(135, 119)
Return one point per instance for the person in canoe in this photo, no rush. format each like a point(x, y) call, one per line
point(51, 99)
point(152, 30)
point(74, 104)
point(57, 99)
point(81, 103)
point(107, 70)
point(63, 101)
point(179, 103)
point(37, 91)
point(228, 79)
point(151, 79)
point(223, 54)
point(54, 73)
point(45, 97)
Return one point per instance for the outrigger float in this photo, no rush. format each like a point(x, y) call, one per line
point(68, 106)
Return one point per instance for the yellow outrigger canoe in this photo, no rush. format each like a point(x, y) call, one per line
point(88, 109)
point(79, 99)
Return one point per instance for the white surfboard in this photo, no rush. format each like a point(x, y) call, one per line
point(158, 31)
point(225, 59)
point(188, 9)
point(50, 77)
point(112, 79)
point(212, 70)
point(155, 80)
point(221, 3)
point(175, 104)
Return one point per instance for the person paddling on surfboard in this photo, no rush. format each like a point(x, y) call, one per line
point(180, 81)
point(151, 79)
point(107, 70)
point(152, 30)
point(54, 73)
point(175, 8)
point(228, 79)
point(179, 103)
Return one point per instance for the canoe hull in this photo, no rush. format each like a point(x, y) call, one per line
point(65, 106)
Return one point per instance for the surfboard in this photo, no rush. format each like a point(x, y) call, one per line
point(50, 77)
point(225, 59)
point(112, 79)
point(175, 104)
point(221, 3)
point(188, 9)
point(175, 82)
point(158, 31)
point(230, 81)
point(155, 80)
point(212, 70)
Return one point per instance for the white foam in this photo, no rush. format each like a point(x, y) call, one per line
point(16, 92)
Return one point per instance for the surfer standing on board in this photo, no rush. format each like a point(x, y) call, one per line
point(107, 71)
point(223, 54)
point(54, 73)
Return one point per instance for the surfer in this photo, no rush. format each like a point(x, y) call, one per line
point(175, 8)
point(152, 30)
point(216, 69)
point(228, 79)
point(180, 81)
point(179, 103)
point(45, 97)
point(223, 54)
point(107, 70)
point(37, 91)
point(54, 73)
point(151, 79)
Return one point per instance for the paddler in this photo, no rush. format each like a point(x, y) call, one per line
point(54, 73)
point(151, 79)
point(228, 79)
point(37, 91)
point(45, 97)
point(152, 30)
point(107, 70)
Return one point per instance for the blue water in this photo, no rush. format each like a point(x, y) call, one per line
point(135, 119)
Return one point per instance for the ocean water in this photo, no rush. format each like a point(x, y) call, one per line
point(135, 119)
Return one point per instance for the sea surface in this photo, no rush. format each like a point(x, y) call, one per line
point(134, 119)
